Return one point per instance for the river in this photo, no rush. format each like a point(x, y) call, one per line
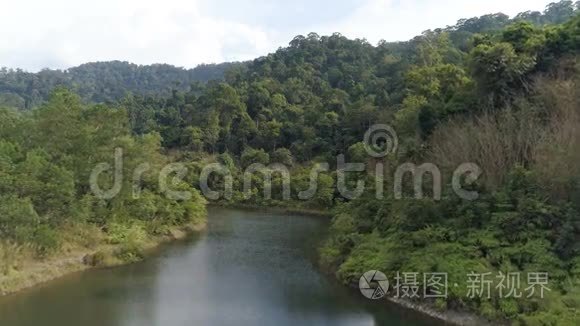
point(248, 268)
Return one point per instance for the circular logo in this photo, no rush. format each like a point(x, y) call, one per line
point(381, 140)
point(373, 284)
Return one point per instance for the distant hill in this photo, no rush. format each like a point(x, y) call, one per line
point(103, 81)
point(344, 63)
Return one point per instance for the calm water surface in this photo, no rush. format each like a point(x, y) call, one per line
point(249, 268)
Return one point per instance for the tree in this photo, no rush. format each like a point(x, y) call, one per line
point(499, 71)
point(282, 156)
point(193, 138)
point(524, 37)
point(104, 82)
point(251, 156)
point(559, 12)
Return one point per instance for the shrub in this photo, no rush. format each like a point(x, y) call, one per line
point(251, 156)
point(130, 238)
point(282, 156)
point(46, 240)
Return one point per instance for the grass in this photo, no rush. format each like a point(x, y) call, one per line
point(82, 247)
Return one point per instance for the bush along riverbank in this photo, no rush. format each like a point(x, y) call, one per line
point(99, 250)
point(51, 221)
point(504, 100)
point(493, 92)
point(509, 257)
point(281, 209)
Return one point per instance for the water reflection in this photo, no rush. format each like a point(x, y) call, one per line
point(248, 269)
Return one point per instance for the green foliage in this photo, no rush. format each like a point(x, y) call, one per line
point(305, 104)
point(319, 95)
point(252, 156)
point(46, 239)
point(130, 238)
point(499, 70)
point(514, 229)
point(46, 158)
point(226, 160)
point(18, 218)
point(103, 81)
point(282, 156)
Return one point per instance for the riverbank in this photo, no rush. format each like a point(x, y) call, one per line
point(35, 273)
point(279, 209)
point(451, 317)
point(75, 259)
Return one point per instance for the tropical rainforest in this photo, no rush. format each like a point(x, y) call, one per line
point(497, 91)
point(102, 82)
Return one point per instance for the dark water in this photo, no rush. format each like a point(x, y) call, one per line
point(248, 269)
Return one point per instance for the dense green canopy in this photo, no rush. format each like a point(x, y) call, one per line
point(498, 92)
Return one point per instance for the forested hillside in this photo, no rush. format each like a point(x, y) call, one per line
point(47, 207)
point(496, 91)
point(499, 92)
point(318, 95)
point(102, 81)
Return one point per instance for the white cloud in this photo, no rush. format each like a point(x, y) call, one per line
point(62, 33)
point(34, 34)
point(395, 20)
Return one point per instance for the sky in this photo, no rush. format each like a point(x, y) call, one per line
point(59, 34)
